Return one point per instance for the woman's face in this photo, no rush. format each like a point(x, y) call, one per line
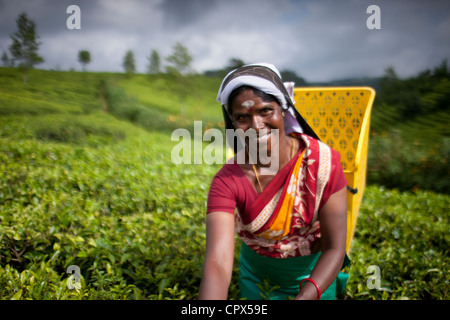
point(249, 111)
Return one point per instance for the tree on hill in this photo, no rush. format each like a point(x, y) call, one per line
point(233, 63)
point(419, 95)
point(84, 57)
point(154, 66)
point(180, 60)
point(129, 63)
point(289, 75)
point(25, 46)
point(180, 74)
point(6, 61)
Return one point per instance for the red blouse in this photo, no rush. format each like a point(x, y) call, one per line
point(231, 189)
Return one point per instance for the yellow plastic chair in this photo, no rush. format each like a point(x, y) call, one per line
point(340, 116)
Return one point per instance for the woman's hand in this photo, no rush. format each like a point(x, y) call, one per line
point(307, 292)
point(333, 229)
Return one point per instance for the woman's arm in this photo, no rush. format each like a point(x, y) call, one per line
point(333, 229)
point(219, 257)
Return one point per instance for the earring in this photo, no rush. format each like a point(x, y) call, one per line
point(282, 113)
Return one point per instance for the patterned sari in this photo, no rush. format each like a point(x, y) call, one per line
point(280, 230)
point(283, 221)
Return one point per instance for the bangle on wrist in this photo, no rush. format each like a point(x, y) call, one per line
point(314, 283)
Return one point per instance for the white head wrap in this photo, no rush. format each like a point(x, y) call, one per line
point(290, 122)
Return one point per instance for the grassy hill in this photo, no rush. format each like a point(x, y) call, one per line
point(82, 186)
point(87, 179)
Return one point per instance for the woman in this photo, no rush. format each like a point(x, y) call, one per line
point(292, 221)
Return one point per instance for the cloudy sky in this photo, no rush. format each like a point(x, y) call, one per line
point(320, 40)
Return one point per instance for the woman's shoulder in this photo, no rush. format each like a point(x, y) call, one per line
point(230, 169)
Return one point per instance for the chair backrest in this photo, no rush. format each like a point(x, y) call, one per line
point(340, 116)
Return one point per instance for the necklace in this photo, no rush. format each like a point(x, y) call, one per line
point(293, 149)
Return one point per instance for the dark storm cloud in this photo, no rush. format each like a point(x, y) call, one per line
point(179, 13)
point(320, 40)
point(334, 38)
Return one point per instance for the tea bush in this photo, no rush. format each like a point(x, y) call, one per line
point(123, 214)
point(395, 163)
point(406, 235)
point(79, 186)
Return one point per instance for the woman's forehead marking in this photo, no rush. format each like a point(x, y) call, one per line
point(248, 104)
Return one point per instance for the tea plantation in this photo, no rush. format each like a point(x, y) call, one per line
point(86, 179)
